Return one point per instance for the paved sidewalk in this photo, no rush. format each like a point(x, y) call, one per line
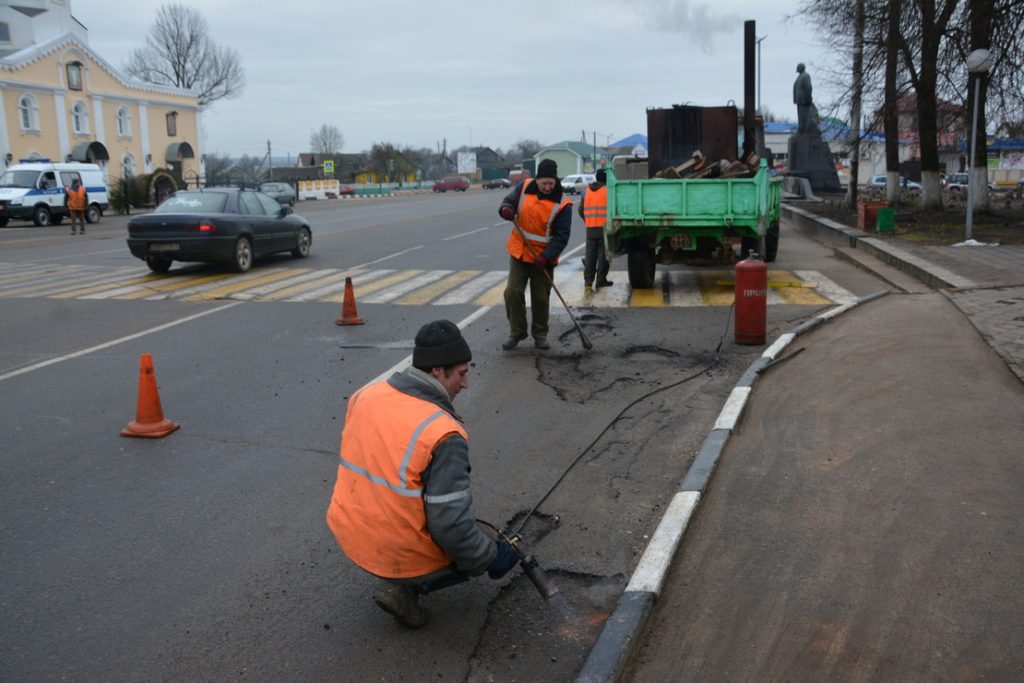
point(866, 522)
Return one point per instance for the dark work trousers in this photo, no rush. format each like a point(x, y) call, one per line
point(428, 583)
point(520, 274)
point(595, 262)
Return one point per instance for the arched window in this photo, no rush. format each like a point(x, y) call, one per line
point(124, 122)
point(80, 118)
point(28, 109)
point(127, 166)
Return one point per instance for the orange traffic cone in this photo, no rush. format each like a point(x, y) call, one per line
point(348, 307)
point(149, 416)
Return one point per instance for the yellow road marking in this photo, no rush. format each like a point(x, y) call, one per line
point(422, 296)
point(651, 298)
point(710, 292)
point(173, 286)
point(57, 284)
point(375, 285)
point(493, 296)
point(239, 286)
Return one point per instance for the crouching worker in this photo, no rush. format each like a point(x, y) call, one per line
point(402, 508)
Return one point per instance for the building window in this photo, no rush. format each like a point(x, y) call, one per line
point(74, 70)
point(124, 122)
point(172, 123)
point(80, 118)
point(127, 166)
point(29, 111)
point(5, 32)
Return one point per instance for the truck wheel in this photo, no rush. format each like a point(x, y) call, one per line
point(92, 214)
point(640, 263)
point(771, 243)
point(41, 216)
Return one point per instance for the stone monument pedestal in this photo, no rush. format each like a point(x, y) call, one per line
point(810, 157)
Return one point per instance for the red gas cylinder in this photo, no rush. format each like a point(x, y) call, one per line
point(751, 301)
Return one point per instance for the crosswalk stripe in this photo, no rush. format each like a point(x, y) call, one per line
point(674, 288)
point(281, 284)
point(393, 293)
point(429, 292)
point(368, 288)
point(472, 289)
point(237, 284)
point(337, 284)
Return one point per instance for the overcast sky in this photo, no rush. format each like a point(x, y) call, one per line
point(473, 72)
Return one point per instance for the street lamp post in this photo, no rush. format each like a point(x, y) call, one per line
point(978, 62)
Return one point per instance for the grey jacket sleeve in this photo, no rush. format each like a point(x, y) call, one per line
point(512, 198)
point(449, 508)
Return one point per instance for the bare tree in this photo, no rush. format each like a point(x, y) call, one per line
point(216, 166)
point(180, 52)
point(523, 149)
point(327, 140)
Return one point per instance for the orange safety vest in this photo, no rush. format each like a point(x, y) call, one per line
point(534, 216)
point(595, 207)
point(76, 198)
point(376, 512)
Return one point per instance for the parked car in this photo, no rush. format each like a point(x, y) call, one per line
point(577, 182)
point(345, 189)
point(455, 182)
point(282, 192)
point(497, 184)
point(905, 183)
point(957, 182)
point(222, 224)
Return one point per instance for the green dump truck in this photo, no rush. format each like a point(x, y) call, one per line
point(691, 221)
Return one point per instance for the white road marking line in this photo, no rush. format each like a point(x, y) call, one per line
point(464, 234)
point(826, 287)
point(472, 289)
point(114, 342)
point(282, 284)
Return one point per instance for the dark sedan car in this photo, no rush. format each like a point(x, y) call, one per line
point(497, 184)
point(222, 224)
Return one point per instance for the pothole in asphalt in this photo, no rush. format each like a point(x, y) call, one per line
point(528, 639)
point(655, 353)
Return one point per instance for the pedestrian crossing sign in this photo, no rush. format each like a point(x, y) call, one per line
point(328, 167)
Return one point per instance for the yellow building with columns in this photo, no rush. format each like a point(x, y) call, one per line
point(64, 102)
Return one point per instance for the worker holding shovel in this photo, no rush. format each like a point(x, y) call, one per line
point(541, 228)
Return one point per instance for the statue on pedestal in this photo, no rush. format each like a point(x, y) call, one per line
point(806, 112)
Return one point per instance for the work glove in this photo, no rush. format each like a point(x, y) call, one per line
point(541, 261)
point(503, 561)
point(507, 212)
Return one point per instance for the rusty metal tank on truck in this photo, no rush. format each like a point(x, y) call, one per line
point(691, 221)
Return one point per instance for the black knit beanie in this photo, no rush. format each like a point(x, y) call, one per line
point(601, 176)
point(440, 344)
point(547, 169)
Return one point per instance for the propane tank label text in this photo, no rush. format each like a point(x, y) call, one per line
point(755, 292)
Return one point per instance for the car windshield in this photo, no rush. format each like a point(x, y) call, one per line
point(194, 202)
point(25, 179)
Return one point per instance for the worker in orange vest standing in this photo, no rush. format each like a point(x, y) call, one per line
point(402, 508)
point(541, 231)
point(594, 210)
point(75, 201)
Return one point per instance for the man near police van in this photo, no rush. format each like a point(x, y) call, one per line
point(75, 201)
point(402, 508)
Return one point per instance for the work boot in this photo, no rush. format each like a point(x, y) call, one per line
point(401, 602)
point(604, 283)
point(588, 289)
point(512, 342)
point(72, 232)
point(541, 343)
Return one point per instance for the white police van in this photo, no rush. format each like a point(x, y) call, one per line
point(33, 189)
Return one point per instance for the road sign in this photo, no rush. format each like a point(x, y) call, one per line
point(328, 167)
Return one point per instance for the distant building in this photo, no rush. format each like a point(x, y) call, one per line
point(574, 157)
point(62, 101)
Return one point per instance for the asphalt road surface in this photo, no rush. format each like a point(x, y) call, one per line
point(204, 555)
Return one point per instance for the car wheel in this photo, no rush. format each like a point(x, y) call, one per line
point(243, 255)
point(41, 216)
point(302, 250)
point(158, 264)
point(92, 214)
